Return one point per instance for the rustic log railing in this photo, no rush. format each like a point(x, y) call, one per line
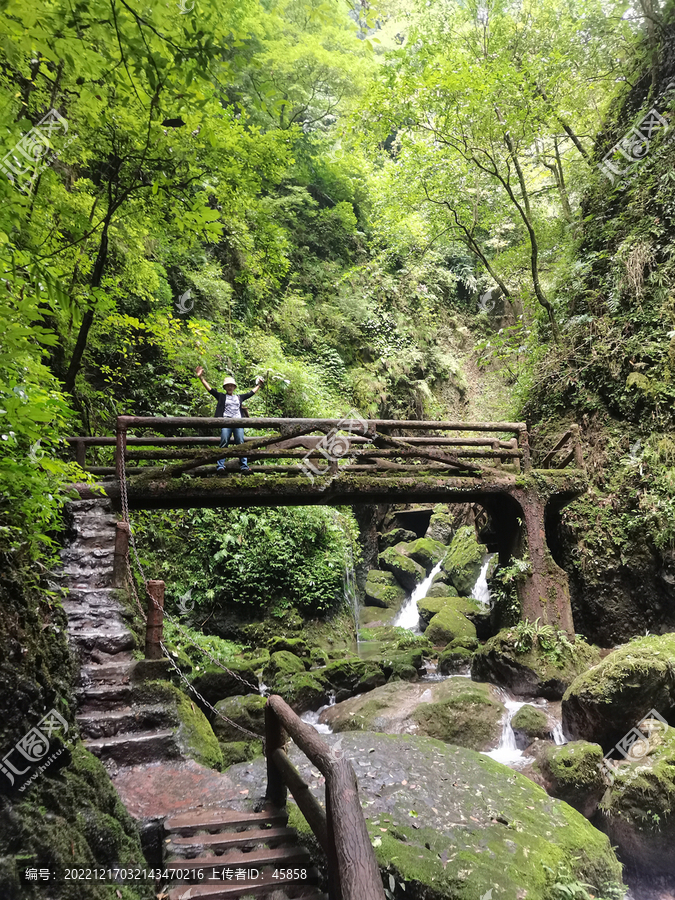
point(292, 446)
point(570, 445)
point(340, 829)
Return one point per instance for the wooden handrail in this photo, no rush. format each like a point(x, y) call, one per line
point(341, 830)
point(166, 423)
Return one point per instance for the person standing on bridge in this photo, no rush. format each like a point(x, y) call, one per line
point(229, 406)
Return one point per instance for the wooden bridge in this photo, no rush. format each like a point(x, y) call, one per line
point(168, 463)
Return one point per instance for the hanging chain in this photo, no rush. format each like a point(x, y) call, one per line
point(151, 599)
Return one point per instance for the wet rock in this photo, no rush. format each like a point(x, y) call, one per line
point(298, 646)
point(571, 773)
point(441, 525)
point(423, 551)
point(351, 676)
point(239, 751)
point(449, 623)
point(382, 589)
point(638, 810)
point(281, 665)
point(247, 711)
point(451, 661)
point(302, 691)
point(451, 823)
point(215, 684)
point(529, 724)
point(463, 561)
point(506, 660)
point(441, 589)
point(376, 616)
point(403, 665)
point(407, 572)
point(606, 702)
point(395, 536)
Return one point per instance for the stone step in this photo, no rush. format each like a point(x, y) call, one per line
point(190, 845)
point(107, 642)
point(86, 506)
point(266, 888)
point(216, 818)
point(127, 719)
point(92, 579)
point(135, 749)
point(117, 671)
point(79, 556)
point(276, 856)
point(83, 616)
point(102, 696)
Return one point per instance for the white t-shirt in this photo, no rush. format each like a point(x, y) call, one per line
point(232, 407)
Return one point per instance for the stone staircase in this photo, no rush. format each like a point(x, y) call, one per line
point(115, 726)
point(224, 853)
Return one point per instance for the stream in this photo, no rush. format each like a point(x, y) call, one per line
point(506, 751)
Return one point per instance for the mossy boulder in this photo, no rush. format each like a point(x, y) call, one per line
point(451, 661)
point(441, 589)
point(447, 625)
point(303, 691)
point(195, 736)
point(239, 751)
point(248, 711)
point(298, 646)
point(215, 684)
point(395, 536)
point(533, 672)
point(351, 676)
point(441, 524)
point(281, 665)
point(318, 657)
point(376, 615)
point(607, 701)
point(466, 643)
point(464, 713)
point(446, 838)
point(407, 572)
point(424, 551)
point(530, 724)
point(638, 809)
point(383, 590)
point(403, 665)
point(572, 773)
point(430, 605)
point(464, 558)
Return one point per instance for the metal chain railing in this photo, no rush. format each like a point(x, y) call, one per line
point(174, 622)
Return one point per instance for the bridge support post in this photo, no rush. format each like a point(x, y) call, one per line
point(545, 593)
point(155, 623)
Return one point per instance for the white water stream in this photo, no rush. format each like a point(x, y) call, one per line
point(409, 617)
point(480, 590)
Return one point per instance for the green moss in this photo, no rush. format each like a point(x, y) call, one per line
point(574, 766)
point(448, 625)
point(195, 737)
point(302, 691)
point(531, 721)
point(463, 560)
point(383, 590)
point(454, 659)
point(215, 684)
point(441, 589)
point(240, 751)
point(395, 536)
point(248, 711)
point(351, 675)
point(432, 604)
point(281, 664)
point(441, 524)
point(318, 657)
point(467, 716)
point(407, 572)
point(424, 551)
point(298, 646)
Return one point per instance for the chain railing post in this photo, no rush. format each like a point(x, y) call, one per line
point(155, 622)
point(274, 740)
point(120, 447)
point(120, 555)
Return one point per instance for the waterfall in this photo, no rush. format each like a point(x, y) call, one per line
point(409, 617)
point(480, 590)
point(506, 751)
point(312, 716)
point(557, 734)
point(350, 593)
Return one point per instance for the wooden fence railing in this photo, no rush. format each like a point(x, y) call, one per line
point(340, 828)
point(321, 446)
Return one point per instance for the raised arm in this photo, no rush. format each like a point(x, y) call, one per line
point(199, 372)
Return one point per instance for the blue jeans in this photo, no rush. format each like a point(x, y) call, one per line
point(225, 436)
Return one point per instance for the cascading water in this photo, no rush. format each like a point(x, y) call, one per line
point(350, 592)
point(409, 617)
point(312, 717)
point(557, 734)
point(506, 751)
point(480, 590)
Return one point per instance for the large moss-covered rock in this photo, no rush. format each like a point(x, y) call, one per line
point(239, 751)
point(441, 589)
point(441, 524)
point(298, 646)
point(464, 558)
point(530, 724)
point(604, 703)
point(407, 572)
point(536, 671)
point(447, 625)
point(281, 665)
point(638, 810)
point(453, 660)
point(395, 536)
point(572, 773)
point(248, 711)
point(382, 589)
point(428, 606)
point(403, 665)
point(303, 691)
point(216, 684)
point(376, 616)
point(424, 551)
point(351, 676)
point(453, 824)
point(456, 711)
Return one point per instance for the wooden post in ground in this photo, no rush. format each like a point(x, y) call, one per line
point(81, 453)
point(274, 740)
point(155, 623)
point(524, 444)
point(120, 555)
point(578, 452)
point(120, 449)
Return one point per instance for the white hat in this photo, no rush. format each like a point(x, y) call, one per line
point(229, 380)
